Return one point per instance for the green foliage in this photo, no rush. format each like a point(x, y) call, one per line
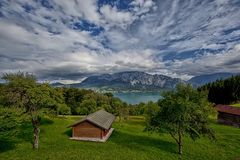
point(87, 106)
point(83, 101)
point(73, 97)
point(138, 109)
point(10, 121)
point(223, 91)
point(107, 107)
point(22, 91)
point(120, 108)
point(151, 109)
point(183, 112)
point(110, 95)
point(63, 109)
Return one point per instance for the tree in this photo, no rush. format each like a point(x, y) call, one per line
point(10, 121)
point(119, 108)
point(184, 111)
point(22, 91)
point(73, 97)
point(150, 110)
point(63, 109)
point(109, 94)
point(87, 106)
point(107, 107)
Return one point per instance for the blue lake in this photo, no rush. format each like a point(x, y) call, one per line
point(137, 97)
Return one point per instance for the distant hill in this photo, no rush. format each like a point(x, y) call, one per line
point(57, 84)
point(204, 79)
point(131, 80)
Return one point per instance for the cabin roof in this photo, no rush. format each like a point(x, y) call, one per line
point(100, 118)
point(228, 109)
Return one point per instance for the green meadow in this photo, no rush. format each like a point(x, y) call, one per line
point(127, 142)
point(236, 105)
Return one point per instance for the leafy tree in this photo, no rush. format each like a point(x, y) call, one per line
point(107, 107)
point(125, 111)
point(22, 91)
point(151, 110)
point(73, 98)
point(10, 121)
point(110, 95)
point(137, 109)
point(184, 111)
point(87, 106)
point(121, 109)
point(102, 99)
point(63, 109)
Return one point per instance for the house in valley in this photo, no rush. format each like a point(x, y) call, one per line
point(94, 127)
point(228, 115)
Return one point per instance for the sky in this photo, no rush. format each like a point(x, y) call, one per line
point(68, 40)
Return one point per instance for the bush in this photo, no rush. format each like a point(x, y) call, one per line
point(63, 109)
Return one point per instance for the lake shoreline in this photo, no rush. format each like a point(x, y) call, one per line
point(138, 97)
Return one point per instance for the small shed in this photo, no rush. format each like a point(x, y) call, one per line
point(228, 115)
point(94, 127)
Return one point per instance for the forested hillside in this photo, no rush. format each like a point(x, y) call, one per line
point(223, 91)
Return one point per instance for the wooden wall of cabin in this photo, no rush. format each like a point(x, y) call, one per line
point(86, 129)
point(229, 119)
point(105, 132)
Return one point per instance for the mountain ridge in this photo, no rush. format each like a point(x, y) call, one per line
point(130, 80)
point(136, 80)
point(207, 78)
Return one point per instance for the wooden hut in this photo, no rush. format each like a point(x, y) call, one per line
point(94, 127)
point(228, 115)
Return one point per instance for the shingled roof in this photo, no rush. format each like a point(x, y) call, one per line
point(100, 118)
point(228, 109)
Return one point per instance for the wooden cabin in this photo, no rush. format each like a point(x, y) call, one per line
point(228, 115)
point(94, 127)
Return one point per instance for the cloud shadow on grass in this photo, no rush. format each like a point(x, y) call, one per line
point(141, 142)
point(7, 144)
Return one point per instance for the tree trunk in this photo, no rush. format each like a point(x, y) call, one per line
point(180, 144)
point(180, 150)
point(36, 131)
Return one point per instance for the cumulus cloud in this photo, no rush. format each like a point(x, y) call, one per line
point(115, 17)
point(69, 40)
point(225, 61)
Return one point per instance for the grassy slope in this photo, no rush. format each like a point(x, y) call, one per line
point(127, 142)
point(236, 105)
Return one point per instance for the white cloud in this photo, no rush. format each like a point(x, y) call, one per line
point(79, 8)
point(89, 9)
point(44, 42)
point(115, 17)
point(225, 61)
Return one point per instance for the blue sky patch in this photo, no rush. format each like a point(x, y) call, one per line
point(86, 26)
point(119, 4)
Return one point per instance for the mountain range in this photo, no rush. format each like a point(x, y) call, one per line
point(203, 79)
point(134, 80)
